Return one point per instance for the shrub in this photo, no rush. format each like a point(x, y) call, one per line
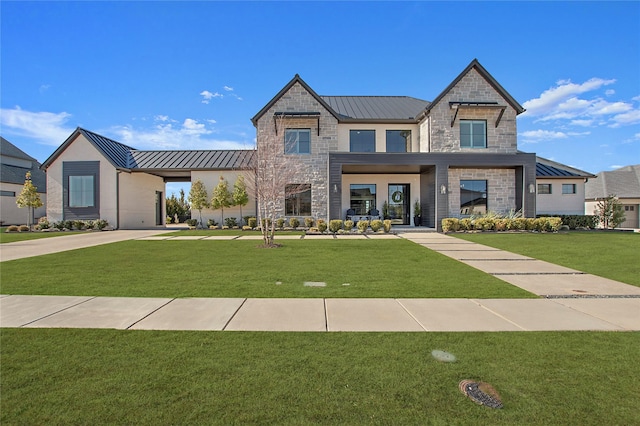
point(485, 224)
point(376, 225)
point(59, 226)
point(530, 224)
point(294, 222)
point(169, 219)
point(252, 222)
point(231, 222)
point(322, 225)
point(12, 228)
point(246, 228)
point(348, 225)
point(450, 224)
point(67, 224)
point(308, 222)
point(280, 223)
point(266, 223)
point(23, 228)
point(211, 222)
point(77, 224)
point(554, 224)
point(501, 224)
point(363, 225)
point(192, 222)
point(575, 221)
point(100, 224)
point(335, 225)
point(386, 224)
point(520, 223)
point(43, 223)
point(465, 224)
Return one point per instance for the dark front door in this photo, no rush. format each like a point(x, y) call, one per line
point(399, 198)
point(158, 208)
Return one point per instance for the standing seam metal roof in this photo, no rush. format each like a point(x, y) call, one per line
point(376, 107)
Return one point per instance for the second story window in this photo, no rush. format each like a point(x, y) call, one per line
point(362, 141)
point(297, 141)
point(473, 134)
point(398, 140)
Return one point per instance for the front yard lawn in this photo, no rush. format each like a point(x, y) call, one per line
point(350, 268)
point(12, 237)
point(614, 255)
point(65, 376)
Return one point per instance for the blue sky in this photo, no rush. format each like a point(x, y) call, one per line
point(190, 75)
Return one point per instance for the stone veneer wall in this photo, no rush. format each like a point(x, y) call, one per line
point(501, 193)
point(312, 168)
point(472, 87)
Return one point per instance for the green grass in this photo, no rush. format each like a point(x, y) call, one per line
point(12, 237)
point(57, 376)
point(372, 268)
point(613, 255)
point(239, 232)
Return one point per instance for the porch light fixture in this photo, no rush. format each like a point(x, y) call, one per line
point(335, 188)
point(443, 189)
point(532, 188)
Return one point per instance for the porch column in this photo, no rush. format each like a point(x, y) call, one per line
point(442, 194)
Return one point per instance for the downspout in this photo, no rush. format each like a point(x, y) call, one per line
point(118, 199)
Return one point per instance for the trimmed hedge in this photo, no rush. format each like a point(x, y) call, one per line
point(541, 224)
point(575, 221)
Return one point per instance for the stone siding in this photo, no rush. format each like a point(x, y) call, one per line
point(501, 194)
point(472, 87)
point(310, 168)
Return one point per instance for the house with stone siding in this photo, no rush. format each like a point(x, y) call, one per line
point(351, 156)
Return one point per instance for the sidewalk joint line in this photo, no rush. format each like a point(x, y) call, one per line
point(61, 310)
point(151, 313)
point(224, 327)
point(411, 315)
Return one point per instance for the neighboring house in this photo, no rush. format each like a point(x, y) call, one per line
point(625, 184)
point(90, 176)
point(560, 188)
point(14, 165)
point(455, 156)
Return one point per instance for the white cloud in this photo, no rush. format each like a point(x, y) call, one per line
point(228, 88)
point(582, 123)
point(161, 118)
point(191, 134)
point(610, 92)
point(533, 136)
point(630, 117)
point(48, 128)
point(615, 166)
point(207, 96)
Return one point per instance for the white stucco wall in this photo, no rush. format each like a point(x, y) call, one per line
point(210, 180)
point(381, 134)
point(382, 182)
point(138, 200)
point(10, 213)
point(557, 202)
point(81, 150)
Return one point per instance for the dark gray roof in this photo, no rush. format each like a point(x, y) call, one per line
point(16, 174)
point(551, 169)
point(190, 160)
point(623, 182)
point(376, 107)
point(10, 150)
point(116, 152)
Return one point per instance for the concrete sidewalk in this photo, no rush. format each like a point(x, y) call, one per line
point(41, 246)
point(573, 300)
point(347, 315)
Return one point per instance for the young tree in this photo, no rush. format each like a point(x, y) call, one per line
point(177, 207)
point(221, 196)
point(29, 198)
point(240, 197)
point(276, 176)
point(198, 198)
point(610, 212)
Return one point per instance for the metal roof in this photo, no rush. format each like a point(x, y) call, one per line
point(376, 107)
point(623, 182)
point(190, 160)
point(114, 151)
point(551, 169)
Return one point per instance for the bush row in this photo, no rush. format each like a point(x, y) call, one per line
point(575, 221)
point(541, 224)
point(64, 225)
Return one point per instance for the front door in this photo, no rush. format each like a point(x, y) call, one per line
point(158, 208)
point(399, 203)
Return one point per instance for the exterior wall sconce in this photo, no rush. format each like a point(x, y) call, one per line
point(532, 188)
point(443, 189)
point(335, 188)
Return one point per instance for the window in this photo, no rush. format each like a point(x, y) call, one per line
point(297, 141)
point(81, 191)
point(629, 208)
point(473, 134)
point(363, 198)
point(297, 200)
point(7, 194)
point(544, 188)
point(568, 188)
point(398, 140)
point(473, 197)
point(362, 140)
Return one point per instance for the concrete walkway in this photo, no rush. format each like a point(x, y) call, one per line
point(574, 301)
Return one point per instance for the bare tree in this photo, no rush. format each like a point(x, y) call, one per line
point(275, 176)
